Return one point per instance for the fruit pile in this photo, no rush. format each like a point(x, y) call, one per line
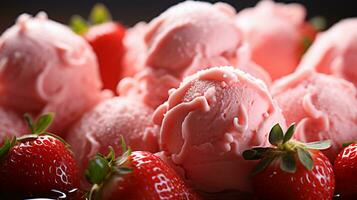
point(202, 102)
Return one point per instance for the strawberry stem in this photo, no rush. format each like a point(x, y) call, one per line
point(99, 14)
point(101, 167)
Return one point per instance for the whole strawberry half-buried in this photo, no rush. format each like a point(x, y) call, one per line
point(106, 38)
point(345, 167)
point(37, 165)
point(135, 175)
point(291, 170)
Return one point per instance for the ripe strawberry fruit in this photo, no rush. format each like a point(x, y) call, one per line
point(291, 169)
point(134, 175)
point(37, 165)
point(310, 29)
point(105, 37)
point(345, 167)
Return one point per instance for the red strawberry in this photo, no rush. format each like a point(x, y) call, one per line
point(37, 165)
point(291, 169)
point(310, 29)
point(105, 37)
point(137, 175)
point(345, 167)
point(106, 41)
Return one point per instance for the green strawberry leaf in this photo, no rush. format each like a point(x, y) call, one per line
point(305, 158)
point(306, 43)
point(346, 144)
point(319, 145)
point(29, 122)
point(318, 22)
point(111, 155)
point(287, 163)
point(276, 135)
point(255, 153)
point(123, 158)
point(43, 123)
point(123, 170)
point(99, 14)
point(27, 137)
point(123, 144)
point(289, 133)
point(263, 164)
point(126, 151)
point(78, 24)
point(97, 170)
point(38, 127)
point(250, 154)
point(5, 148)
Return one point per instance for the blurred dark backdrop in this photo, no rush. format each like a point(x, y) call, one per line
point(131, 11)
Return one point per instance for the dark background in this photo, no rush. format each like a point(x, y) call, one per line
point(131, 11)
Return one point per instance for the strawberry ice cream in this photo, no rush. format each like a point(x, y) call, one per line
point(184, 39)
point(334, 51)
point(189, 31)
point(135, 49)
point(324, 107)
point(210, 120)
point(273, 30)
point(45, 67)
point(104, 125)
point(150, 86)
point(11, 124)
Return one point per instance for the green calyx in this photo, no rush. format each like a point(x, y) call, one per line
point(5, 148)
point(102, 167)
point(285, 151)
point(40, 126)
point(346, 144)
point(306, 43)
point(98, 15)
point(318, 22)
point(37, 128)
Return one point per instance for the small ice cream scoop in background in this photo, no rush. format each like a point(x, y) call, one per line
point(277, 34)
point(335, 51)
point(45, 67)
point(322, 106)
point(184, 39)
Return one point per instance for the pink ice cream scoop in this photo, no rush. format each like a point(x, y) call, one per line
point(184, 39)
point(11, 125)
point(210, 120)
point(273, 30)
point(150, 86)
point(189, 36)
point(45, 67)
point(104, 125)
point(324, 107)
point(190, 29)
point(135, 49)
point(335, 51)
